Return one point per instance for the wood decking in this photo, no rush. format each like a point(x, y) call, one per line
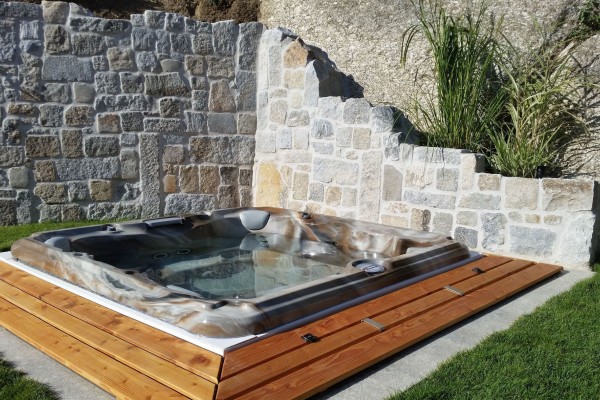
point(134, 361)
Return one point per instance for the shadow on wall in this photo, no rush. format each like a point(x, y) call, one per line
point(332, 82)
point(407, 132)
point(583, 146)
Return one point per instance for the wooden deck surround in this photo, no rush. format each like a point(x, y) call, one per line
point(134, 361)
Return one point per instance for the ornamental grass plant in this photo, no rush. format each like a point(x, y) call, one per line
point(519, 109)
point(467, 99)
point(542, 113)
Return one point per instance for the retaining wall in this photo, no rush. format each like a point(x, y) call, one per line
point(344, 157)
point(164, 115)
point(123, 119)
point(364, 38)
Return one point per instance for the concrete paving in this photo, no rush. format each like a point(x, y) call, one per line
point(385, 378)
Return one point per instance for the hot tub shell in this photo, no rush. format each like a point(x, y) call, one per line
point(395, 254)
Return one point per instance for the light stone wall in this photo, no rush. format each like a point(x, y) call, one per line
point(446, 191)
point(364, 39)
point(123, 119)
point(323, 153)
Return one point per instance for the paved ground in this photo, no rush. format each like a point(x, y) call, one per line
point(385, 378)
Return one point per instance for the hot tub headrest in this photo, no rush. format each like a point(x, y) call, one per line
point(238, 223)
point(254, 219)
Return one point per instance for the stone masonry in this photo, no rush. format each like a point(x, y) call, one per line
point(123, 119)
point(364, 37)
point(446, 191)
point(320, 152)
point(164, 115)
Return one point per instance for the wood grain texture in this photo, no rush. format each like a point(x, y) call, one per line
point(138, 359)
point(308, 353)
point(247, 357)
point(184, 354)
point(109, 374)
point(318, 375)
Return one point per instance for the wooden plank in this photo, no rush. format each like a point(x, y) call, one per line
point(186, 355)
point(154, 367)
point(308, 353)
point(97, 367)
point(341, 339)
point(247, 357)
point(298, 370)
point(442, 297)
point(316, 376)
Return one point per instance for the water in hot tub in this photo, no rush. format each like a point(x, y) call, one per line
point(219, 268)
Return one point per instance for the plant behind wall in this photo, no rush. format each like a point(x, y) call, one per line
point(466, 102)
point(542, 114)
point(519, 109)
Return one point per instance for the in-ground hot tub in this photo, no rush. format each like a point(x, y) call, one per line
point(237, 272)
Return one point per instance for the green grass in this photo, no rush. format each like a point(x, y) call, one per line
point(8, 234)
point(14, 385)
point(553, 353)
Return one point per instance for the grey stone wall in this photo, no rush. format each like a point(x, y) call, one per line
point(123, 119)
point(323, 153)
point(446, 191)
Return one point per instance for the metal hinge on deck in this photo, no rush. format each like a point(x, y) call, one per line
point(454, 290)
point(374, 324)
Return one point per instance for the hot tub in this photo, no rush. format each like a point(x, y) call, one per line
point(237, 272)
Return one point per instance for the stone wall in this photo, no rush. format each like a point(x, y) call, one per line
point(164, 114)
point(364, 38)
point(446, 191)
point(323, 153)
point(123, 119)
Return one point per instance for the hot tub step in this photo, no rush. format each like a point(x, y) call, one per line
point(100, 369)
point(134, 357)
point(174, 350)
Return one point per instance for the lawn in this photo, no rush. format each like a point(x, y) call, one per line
point(553, 353)
point(8, 234)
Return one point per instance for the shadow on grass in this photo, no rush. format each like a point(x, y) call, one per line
point(481, 365)
point(14, 385)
